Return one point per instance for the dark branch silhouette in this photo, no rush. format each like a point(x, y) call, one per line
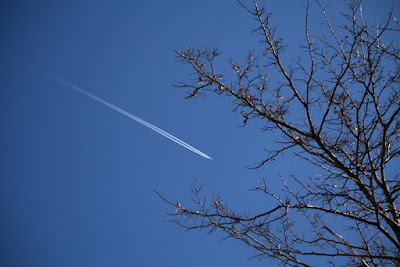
point(336, 106)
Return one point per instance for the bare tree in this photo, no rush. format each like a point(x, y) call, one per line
point(336, 106)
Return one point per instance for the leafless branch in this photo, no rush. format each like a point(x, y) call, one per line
point(338, 107)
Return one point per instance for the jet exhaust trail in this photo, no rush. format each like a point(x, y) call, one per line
point(129, 115)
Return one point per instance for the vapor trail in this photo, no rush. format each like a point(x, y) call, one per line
point(129, 115)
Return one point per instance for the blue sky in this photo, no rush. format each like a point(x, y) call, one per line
point(77, 178)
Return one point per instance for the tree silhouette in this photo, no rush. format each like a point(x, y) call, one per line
point(336, 106)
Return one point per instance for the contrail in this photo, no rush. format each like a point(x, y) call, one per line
point(129, 115)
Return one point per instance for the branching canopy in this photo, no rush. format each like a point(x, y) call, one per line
point(336, 106)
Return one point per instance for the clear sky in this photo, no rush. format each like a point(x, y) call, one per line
point(76, 177)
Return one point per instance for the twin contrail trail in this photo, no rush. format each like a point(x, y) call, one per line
point(129, 115)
